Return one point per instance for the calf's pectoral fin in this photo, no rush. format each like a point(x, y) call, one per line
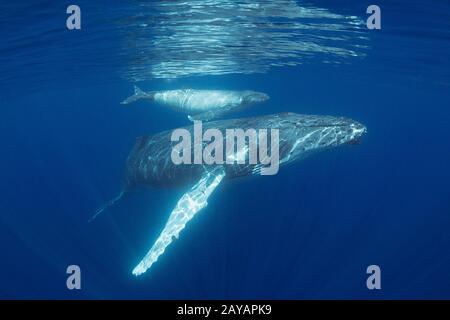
point(190, 203)
point(204, 116)
point(211, 114)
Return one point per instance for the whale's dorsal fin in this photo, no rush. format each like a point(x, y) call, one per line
point(190, 203)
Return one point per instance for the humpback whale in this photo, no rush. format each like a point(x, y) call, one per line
point(149, 163)
point(200, 104)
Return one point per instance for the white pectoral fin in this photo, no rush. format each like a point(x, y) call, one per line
point(204, 116)
point(190, 203)
point(212, 114)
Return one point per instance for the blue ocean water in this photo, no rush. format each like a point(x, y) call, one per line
point(308, 232)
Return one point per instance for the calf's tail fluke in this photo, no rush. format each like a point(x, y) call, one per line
point(107, 205)
point(138, 95)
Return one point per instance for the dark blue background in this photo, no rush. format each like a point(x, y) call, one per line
point(308, 232)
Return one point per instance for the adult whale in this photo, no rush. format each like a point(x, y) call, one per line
point(201, 104)
point(150, 163)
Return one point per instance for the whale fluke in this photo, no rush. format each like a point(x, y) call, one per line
point(107, 205)
point(138, 95)
point(190, 203)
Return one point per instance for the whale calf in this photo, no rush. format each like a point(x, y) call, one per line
point(149, 163)
point(200, 104)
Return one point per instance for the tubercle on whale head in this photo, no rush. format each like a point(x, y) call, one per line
point(357, 131)
point(339, 130)
point(307, 133)
point(349, 131)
